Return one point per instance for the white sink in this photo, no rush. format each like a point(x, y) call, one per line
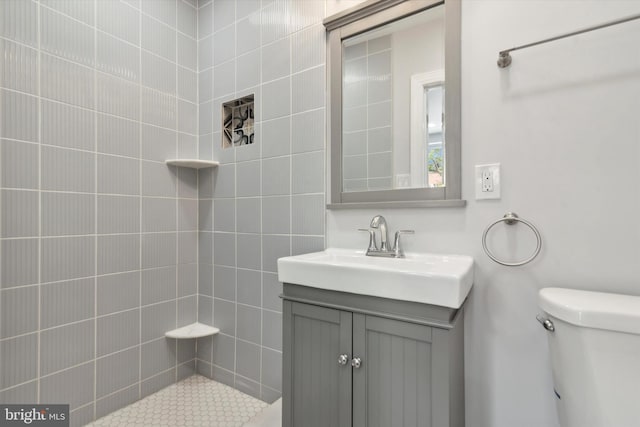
point(443, 280)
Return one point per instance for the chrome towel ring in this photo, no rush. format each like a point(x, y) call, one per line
point(511, 218)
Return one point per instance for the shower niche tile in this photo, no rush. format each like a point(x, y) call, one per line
point(238, 122)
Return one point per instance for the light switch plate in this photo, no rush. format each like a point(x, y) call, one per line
point(488, 181)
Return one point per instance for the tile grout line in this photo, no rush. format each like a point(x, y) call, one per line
point(201, 297)
point(102, 113)
point(39, 90)
point(1, 205)
point(88, 193)
point(140, 178)
point(262, 200)
point(177, 209)
point(75, 279)
point(71, 105)
point(198, 155)
point(213, 218)
point(95, 225)
point(98, 317)
point(291, 177)
point(235, 231)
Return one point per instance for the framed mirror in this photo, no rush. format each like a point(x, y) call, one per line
point(394, 104)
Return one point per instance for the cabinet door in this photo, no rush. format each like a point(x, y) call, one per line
point(316, 387)
point(393, 385)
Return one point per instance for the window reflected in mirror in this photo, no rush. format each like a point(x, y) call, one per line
point(434, 103)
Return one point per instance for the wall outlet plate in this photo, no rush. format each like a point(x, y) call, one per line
point(488, 181)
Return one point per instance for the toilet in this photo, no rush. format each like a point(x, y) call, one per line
point(594, 344)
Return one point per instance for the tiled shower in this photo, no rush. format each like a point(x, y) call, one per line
point(266, 199)
point(104, 248)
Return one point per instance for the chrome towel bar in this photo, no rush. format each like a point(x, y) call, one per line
point(504, 56)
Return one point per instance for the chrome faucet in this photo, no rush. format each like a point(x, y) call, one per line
point(378, 222)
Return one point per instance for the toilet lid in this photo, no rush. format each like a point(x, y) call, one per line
point(589, 309)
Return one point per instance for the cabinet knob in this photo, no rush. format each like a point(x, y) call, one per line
point(356, 362)
point(343, 359)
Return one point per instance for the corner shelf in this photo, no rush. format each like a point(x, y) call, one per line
point(194, 330)
point(192, 163)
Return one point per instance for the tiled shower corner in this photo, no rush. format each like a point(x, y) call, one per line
point(266, 199)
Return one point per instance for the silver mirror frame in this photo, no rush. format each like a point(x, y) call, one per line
point(361, 18)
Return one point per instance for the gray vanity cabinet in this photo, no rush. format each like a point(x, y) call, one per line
point(392, 387)
point(400, 370)
point(319, 388)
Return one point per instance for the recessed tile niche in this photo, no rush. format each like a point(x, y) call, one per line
point(237, 122)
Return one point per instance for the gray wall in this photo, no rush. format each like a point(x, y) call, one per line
point(266, 200)
point(98, 235)
point(562, 121)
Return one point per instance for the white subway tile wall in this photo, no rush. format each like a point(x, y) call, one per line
point(99, 238)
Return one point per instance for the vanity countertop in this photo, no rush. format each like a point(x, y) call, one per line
point(436, 279)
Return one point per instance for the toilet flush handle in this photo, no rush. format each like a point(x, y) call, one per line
point(546, 323)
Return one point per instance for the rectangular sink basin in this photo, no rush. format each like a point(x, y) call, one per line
point(443, 280)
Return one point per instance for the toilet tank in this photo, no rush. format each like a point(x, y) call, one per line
point(595, 356)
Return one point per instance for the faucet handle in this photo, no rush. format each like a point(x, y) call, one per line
point(396, 241)
point(372, 239)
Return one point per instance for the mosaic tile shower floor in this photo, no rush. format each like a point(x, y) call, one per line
point(196, 401)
